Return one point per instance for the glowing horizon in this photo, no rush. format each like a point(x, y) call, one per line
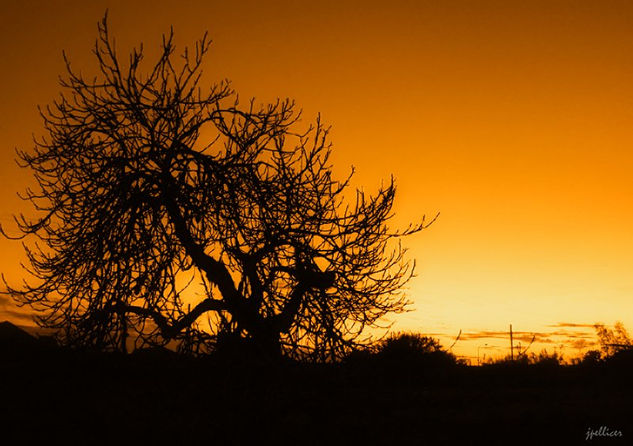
point(511, 120)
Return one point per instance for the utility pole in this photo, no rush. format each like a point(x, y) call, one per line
point(511, 345)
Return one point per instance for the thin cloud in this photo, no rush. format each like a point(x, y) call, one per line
point(518, 335)
point(570, 325)
point(578, 339)
point(581, 344)
point(573, 334)
point(437, 335)
point(484, 334)
point(15, 314)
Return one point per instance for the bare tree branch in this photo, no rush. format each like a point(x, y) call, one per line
point(150, 232)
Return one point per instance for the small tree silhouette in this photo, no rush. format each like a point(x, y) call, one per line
point(150, 186)
point(406, 343)
point(613, 340)
point(409, 347)
point(591, 357)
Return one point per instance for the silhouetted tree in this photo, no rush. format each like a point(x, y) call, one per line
point(591, 357)
point(172, 214)
point(407, 347)
point(613, 340)
point(406, 343)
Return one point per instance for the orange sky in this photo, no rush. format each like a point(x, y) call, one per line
point(512, 119)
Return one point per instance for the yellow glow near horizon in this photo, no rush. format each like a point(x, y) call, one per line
point(511, 119)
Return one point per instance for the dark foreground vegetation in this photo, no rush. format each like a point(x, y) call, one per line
point(147, 183)
point(404, 392)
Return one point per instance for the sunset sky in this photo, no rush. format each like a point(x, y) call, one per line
point(513, 119)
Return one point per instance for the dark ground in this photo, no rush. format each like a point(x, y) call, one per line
point(79, 398)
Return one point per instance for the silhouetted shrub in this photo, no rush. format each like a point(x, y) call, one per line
point(16, 342)
point(361, 354)
point(542, 359)
point(414, 347)
point(613, 340)
point(507, 361)
point(622, 358)
point(546, 359)
point(591, 357)
point(408, 343)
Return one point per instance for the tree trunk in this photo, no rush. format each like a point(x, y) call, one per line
point(266, 344)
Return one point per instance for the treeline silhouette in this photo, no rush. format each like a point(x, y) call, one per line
point(404, 388)
point(136, 205)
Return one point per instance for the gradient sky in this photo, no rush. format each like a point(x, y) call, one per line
point(513, 119)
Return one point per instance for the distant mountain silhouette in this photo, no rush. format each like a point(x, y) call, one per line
point(12, 333)
point(17, 341)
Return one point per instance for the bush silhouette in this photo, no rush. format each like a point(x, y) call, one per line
point(621, 359)
point(410, 347)
point(613, 340)
point(542, 359)
point(545, 359)
point(590, 358)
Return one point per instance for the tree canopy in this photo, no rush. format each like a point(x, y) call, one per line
point(169, 213)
